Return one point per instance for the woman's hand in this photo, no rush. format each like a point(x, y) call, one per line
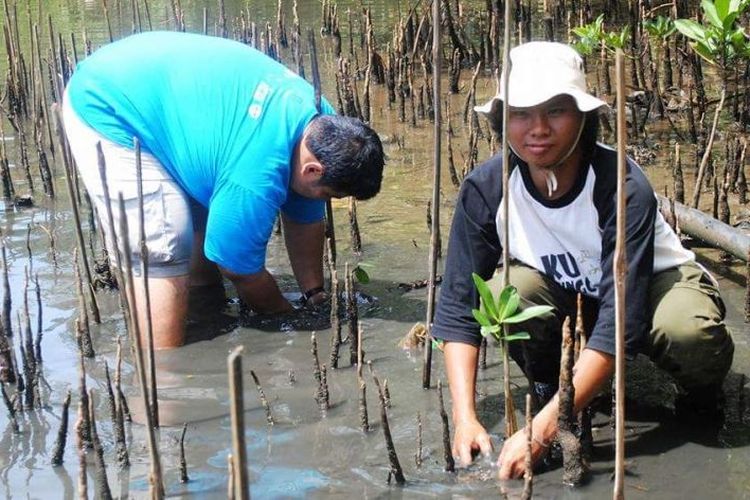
point(469, 439)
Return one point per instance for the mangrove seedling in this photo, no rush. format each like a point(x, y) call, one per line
point(494, 316)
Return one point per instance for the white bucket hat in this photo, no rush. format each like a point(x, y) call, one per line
point(540, 71)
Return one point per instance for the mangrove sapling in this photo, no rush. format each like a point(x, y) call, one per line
point(450, 463)
point(494, 316)
point(386, 394)
point(335, 321)
point(354, 227)
point(363, 417)
point(102, 485)
point(263, 400)
point(584, 417)
point(62, 434)
point(183, 463)
point(395, 471)
point(83, 334)
point(324, 393)
point(237, 409)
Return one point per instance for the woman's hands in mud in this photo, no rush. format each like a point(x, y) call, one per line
point(469, 439)
point(512, 460)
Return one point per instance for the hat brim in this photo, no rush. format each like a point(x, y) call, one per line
point(584, 101)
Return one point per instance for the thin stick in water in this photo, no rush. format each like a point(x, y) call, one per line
point(450, 463)
point(102, 484)
point(263, 400)
point(183, 463)
point(528, 477)
point(81, 426)
point(418, 454)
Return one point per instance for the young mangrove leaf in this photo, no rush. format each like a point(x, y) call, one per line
point(518, 336)
point(507, 302)
point(493, 330)
point(486, 295)
point(527, 314)
point(361, 275)
point(481, 317)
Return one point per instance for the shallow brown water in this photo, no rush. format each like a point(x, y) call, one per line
point(307, 454)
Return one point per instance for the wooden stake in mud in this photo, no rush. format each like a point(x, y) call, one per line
point(330, 231)
point(573, 468)
point(67, 164)
point(352, 312)
point(81, 425)
point(237, 407)
point(584, 418)
point(11, 409)
point(62, 433)
point(511, 426)
point(418, 454)
point(156, 484)
point(335, 320)
point(450, 463)
point(363, 416)
point(83, 333)
point(263, 400)
point(679, 181)
point(354, 227)
point(528, 477)
point(707, 153)
point(150, 358)
point(620, 270)
point(84, 429)
point(118, 422)
point(121, 400)
point(6, 321)
point(396, 470)
point(437, 65)
point(102, 484)
point(747, 288)
point(183, 463)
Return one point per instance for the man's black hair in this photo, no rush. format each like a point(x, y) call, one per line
point(351, 154)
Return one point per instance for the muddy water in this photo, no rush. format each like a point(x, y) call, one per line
point(308, 454)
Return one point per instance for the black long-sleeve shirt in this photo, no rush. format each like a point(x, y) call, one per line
point(571, 240)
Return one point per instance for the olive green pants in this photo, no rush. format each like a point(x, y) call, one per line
point(688, 337)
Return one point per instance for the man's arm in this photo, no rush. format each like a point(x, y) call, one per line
point(593, 369)
point(470, 435)
point(259, 291)
point(304, 244)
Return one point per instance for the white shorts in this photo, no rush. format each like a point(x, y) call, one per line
point(167, 209)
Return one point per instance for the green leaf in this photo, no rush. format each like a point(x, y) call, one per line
point(361, 275)
point(527, 314)
point(437, 344)
point(728, 22)
point(507, 303)
point(494, 331)
point(705, 52)
point(481, 318)
point(486, 294)
point(517, 336)
point(709, 8)
point(722, 8)
point(691, 29)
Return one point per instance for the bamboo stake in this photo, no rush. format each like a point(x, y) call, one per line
point(183, 463)
point(263, 400)
point(437, 62)
point(84, 431)
point(395, 470)
point(237, 408)
point(150, 358)
point(156, 486)
point(528, 477)
point(76, 217)
point(450, 463)
point(620, 270)
point(102, 484)
point(511, 426)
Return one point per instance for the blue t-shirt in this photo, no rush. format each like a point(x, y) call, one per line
point(220, 116)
